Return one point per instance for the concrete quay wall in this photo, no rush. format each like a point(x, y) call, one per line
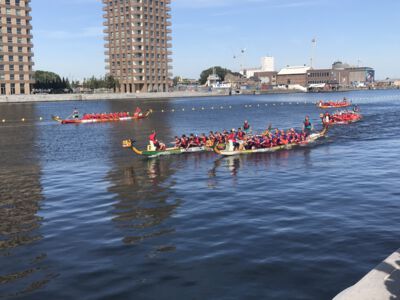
point(113, 96)
point(382, 283)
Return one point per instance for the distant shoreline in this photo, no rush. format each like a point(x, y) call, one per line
point(145, 96)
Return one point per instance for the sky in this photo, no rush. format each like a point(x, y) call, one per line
point(68, 34)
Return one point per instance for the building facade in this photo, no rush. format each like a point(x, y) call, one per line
point(15, 47)
point(138, 39)
point(293, 75)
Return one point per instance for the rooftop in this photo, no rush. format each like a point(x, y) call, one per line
point(293, 70)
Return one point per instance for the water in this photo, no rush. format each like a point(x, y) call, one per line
point(82, 218)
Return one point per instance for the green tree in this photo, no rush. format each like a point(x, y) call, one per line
point(176, 80)
point(221, 72)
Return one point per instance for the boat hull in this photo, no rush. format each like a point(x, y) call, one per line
point(311, 139)
point(172, 151)
point(92, 121)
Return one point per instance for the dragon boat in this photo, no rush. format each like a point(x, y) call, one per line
point(103, 118)
point(229, 151)
point(152, 151)
point(345, 118)
point(331, 104)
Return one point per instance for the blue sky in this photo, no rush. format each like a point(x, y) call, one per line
point(68, 34)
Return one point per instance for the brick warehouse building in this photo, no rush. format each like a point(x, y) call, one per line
point(15, 47)
point(138, 39)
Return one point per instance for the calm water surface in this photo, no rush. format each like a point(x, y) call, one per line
point(82, 218)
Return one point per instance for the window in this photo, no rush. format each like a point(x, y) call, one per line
point(12, 88)
point(3, 89)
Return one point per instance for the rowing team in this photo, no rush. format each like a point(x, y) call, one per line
point(344, 115)
point(240, 139)
point(107, 116)
point(333, 103)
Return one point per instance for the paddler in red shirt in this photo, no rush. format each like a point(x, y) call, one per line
point(157, 144)
point(138, 113)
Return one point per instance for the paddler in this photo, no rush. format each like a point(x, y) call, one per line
point(246, 126)
point(326, 119)
point(307, 125)
point(156, 143)
point(232, 138)
point(75, 113)
point(138, 113)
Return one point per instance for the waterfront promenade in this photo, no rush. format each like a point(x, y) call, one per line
point(110, 96)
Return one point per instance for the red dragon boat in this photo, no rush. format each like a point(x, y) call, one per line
point(103, 118)
point(343, 118)
point(332, 104)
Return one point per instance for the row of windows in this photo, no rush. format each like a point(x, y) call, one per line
point(128, 56)
point(146, 25)
point(19, 68)
point(319, 74)
point(124, 18)
point(124, 2)
point(138, 32)
point(15, 2)
point(18, 40)
point(11, 49)
point(140, 78)
point(20, 77)
point(11, 58)
point(128, 9)
point(9, 21)
point(12, 88)
point(16, 31)
point(123, 41)
point(15, 12)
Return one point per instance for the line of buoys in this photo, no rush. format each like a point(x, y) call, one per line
point(20, 120)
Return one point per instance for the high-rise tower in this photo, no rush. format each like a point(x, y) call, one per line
point(138, 38)
point(15, 47)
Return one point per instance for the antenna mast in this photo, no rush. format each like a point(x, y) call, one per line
point(313, 47)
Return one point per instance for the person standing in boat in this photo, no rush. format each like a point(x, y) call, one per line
point(75, 113)
point(246, 127)
point(157, 144)
point(307, 125)
point(138, 113)
point(326, 119)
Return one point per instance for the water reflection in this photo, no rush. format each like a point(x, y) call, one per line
point(145, 200)
point(144, 189)
point(22, 264)
point(234, 164)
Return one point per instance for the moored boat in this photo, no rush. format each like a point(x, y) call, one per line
point(103, 118)
point(229, 151)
